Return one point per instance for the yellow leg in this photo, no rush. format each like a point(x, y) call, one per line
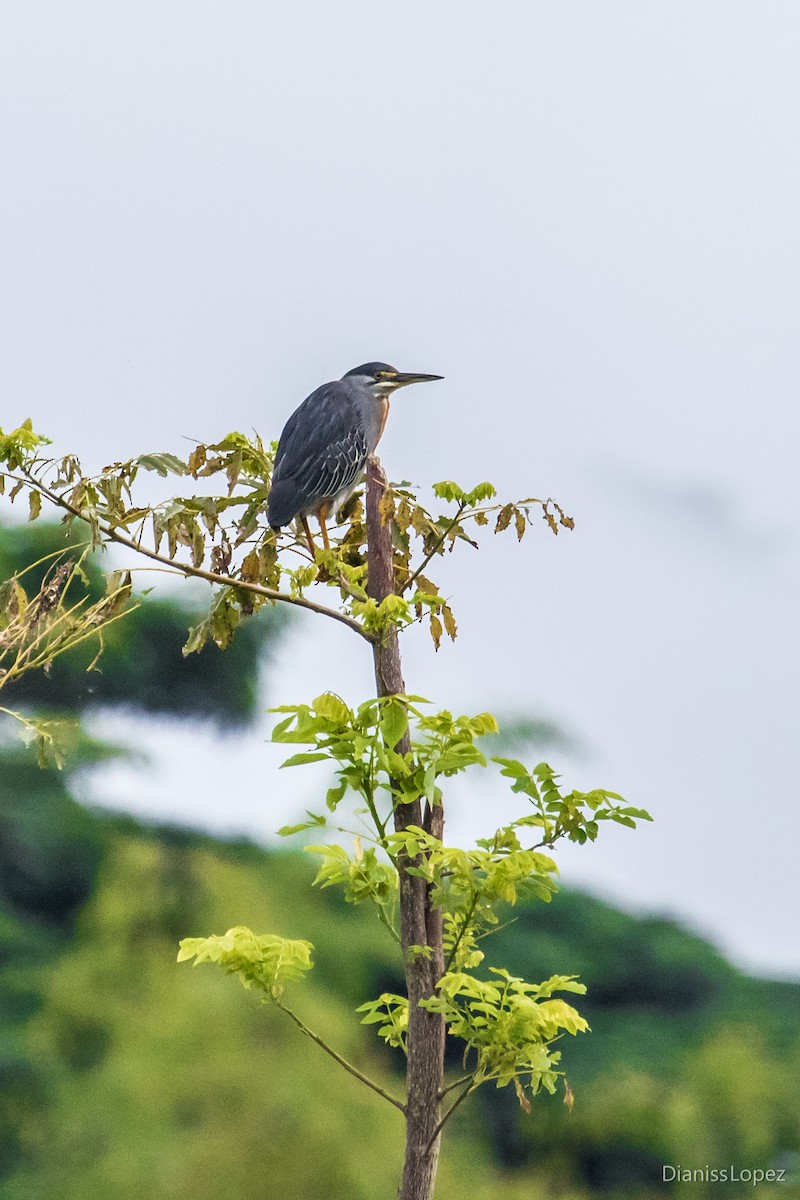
point(322, 515)
point(309, 538)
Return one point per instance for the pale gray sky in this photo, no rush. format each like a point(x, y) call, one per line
point(585, 217)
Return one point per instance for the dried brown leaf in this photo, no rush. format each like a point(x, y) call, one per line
point(386, 508)
point(504, 518)
point(197, 460)
point(251, 567)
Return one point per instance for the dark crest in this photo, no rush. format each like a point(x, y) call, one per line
point(371, 368)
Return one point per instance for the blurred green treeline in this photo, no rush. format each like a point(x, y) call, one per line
point(123, 1075)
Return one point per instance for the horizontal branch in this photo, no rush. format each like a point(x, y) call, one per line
point(188, 570)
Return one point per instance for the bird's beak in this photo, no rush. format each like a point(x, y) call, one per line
point(404, 378)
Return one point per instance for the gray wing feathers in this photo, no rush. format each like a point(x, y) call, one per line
point(321, 452)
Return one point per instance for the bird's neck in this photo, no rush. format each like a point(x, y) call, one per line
point(383, 413)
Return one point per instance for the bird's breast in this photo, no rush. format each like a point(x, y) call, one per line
point(383, 413)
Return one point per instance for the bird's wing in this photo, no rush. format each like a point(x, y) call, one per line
point(321, 452)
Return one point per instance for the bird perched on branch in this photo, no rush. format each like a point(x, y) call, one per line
point(323, 450)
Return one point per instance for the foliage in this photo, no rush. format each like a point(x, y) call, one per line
point(141, 665)
point(224, 539)
point(38, 628)
point(560, 815)
point(509, 1026)
point(169, 1084)
point(391, 753)
point(266, 963)
point(51, 848)
point(362, 743)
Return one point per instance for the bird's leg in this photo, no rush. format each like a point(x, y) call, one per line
point(309, 538)
point(322, 516)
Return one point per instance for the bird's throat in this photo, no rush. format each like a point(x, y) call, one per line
point(384, 413)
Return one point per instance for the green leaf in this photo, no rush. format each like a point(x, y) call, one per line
point(483, 725)
point(447, 490)
point(332, 708)
point(198, 636)
point(483, 491)
point(233, 441)
point(335, 794)
point(512, 768)
point(288, 830)
point(394, 722)
point(265, 962)
point(17, 447)
point(391, 1013)
point(164, 464)
point(297, 760)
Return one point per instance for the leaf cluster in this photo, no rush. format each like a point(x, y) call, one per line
point(574, 815)
point(265, 962)
point(508, 1027)
point(362, 875)
point(390, 1013)
point(364, 745)
point(419, 537)
point(39, 624)
point(19, 446)
point(509, 1024)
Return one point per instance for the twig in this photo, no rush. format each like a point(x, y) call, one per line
point(496, 929)
point(438, 545)
point(461, 932)
point(471, 1088)
point(341, 1061)
point(456, 1083)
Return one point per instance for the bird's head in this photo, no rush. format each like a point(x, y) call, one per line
point(382, 380)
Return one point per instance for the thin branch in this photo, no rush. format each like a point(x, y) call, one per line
point(471, 1088)
point(549, 842)
point(27, 662)
point(468, 514)
point(456, 1083)
point(196, 572)
point(436, 548)
point(369, 797)
point(10, 712)
point(461, 932)
point(496, 929)
point(341, 1061)
point(382, 915)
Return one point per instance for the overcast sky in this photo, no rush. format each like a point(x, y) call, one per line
point(585, 216)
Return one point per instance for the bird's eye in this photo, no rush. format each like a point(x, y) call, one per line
point(380, 375)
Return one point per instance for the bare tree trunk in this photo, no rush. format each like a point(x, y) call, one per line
point(420, 925)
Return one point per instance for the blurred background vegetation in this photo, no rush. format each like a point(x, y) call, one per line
point(123, 1075)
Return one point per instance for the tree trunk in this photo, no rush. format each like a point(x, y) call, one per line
point(420, 924)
